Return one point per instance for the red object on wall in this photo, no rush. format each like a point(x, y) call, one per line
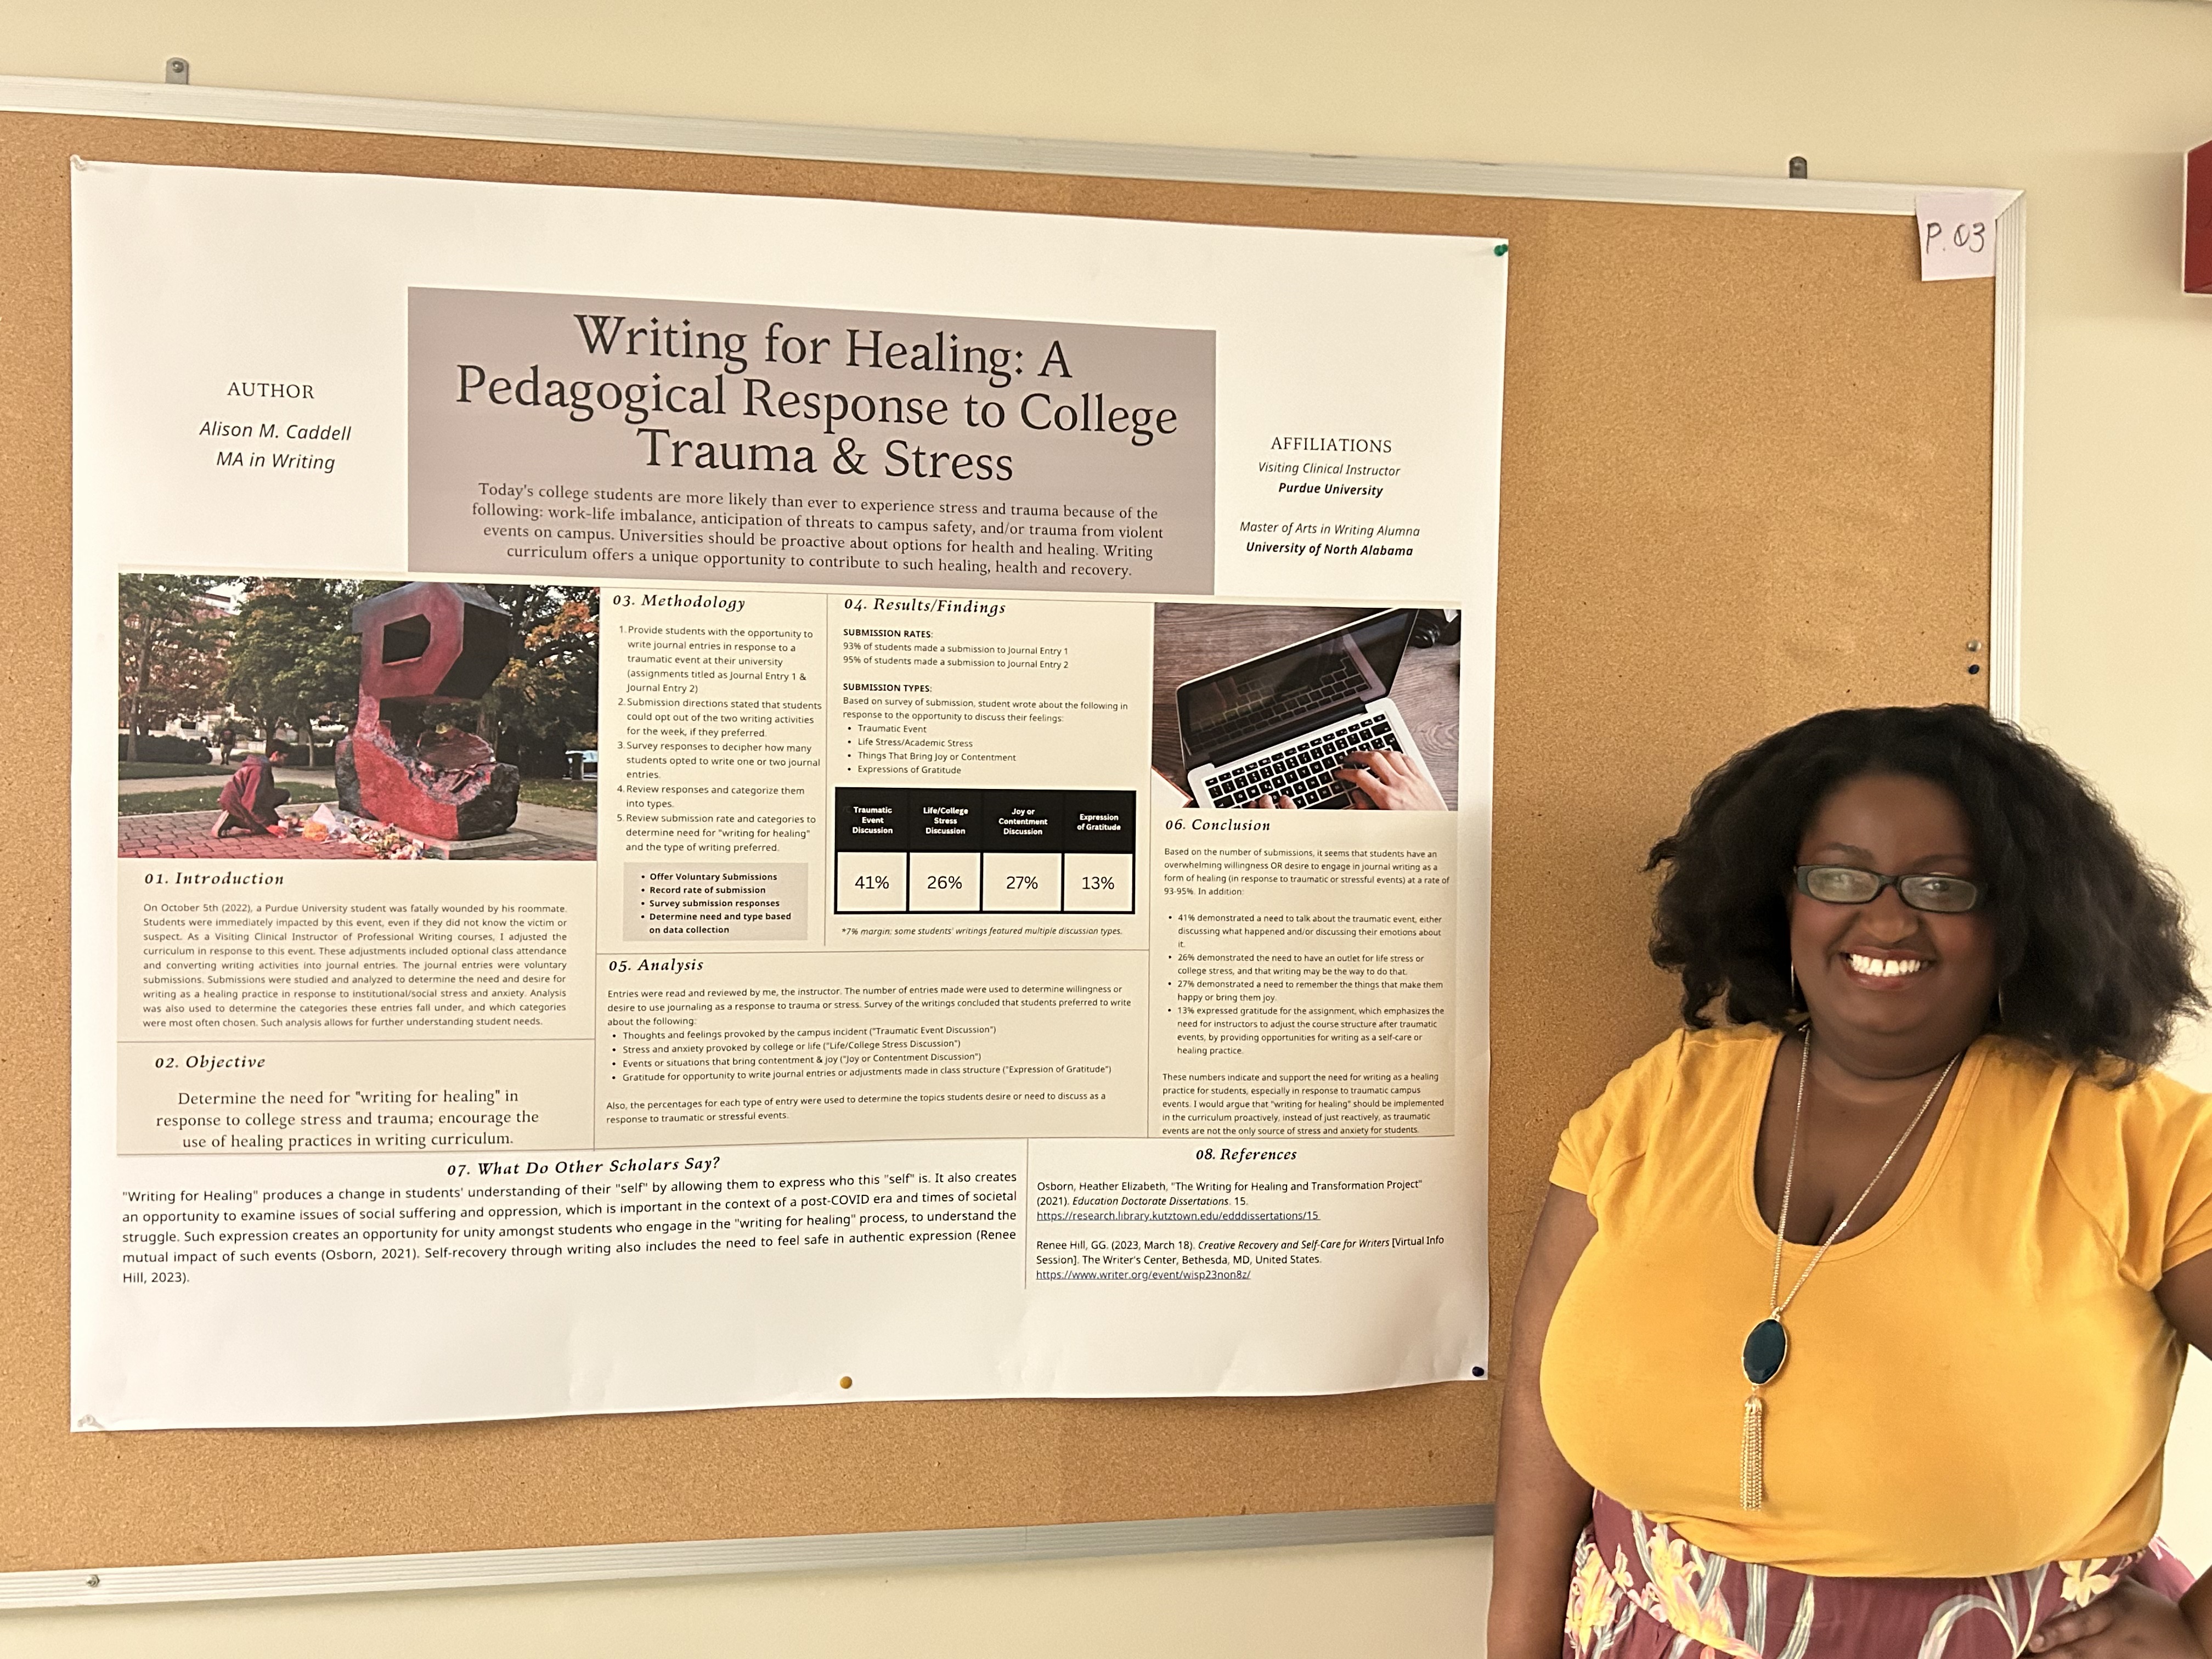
point(2197, 235)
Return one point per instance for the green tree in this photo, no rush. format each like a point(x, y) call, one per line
point(548, 695)
point(171, 632)
point(293, 658)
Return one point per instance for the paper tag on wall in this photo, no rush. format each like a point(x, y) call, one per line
point(1958, 234)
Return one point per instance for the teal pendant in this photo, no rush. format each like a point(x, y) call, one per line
point(1764, 1351)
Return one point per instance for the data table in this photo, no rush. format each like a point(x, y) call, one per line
point(1057, 851)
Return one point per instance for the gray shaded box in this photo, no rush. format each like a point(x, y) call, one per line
point(581, 437)
point(672, 903)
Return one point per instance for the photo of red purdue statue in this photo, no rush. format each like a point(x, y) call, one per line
point(424, 648)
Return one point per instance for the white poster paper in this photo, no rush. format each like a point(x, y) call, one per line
point(881, 802)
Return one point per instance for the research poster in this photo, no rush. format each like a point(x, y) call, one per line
point(686, 801)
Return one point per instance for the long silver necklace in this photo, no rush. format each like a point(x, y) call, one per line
point(1767, 1347)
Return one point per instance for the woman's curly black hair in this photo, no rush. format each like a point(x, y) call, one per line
point(2091, 954)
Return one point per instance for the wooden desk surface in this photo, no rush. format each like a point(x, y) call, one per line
point(1191, 640)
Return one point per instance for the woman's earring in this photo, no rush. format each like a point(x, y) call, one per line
point(1796, 1000)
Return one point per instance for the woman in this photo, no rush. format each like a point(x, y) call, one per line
point(1856, 1310)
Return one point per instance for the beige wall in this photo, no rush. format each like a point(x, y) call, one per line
point(2085, 104)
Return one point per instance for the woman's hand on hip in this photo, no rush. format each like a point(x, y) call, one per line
point(2129, 1622)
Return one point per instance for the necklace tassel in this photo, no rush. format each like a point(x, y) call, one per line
point(1768, 1348)
point(1752, 1486)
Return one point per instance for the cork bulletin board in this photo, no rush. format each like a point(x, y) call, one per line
point(1747, 477)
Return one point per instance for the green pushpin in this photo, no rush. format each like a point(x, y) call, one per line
point(1499, 250)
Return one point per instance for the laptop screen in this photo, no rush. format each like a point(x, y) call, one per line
point(1298, 689)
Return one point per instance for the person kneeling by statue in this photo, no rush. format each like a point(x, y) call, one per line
point(250, 798)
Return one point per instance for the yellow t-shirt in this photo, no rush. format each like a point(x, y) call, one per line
point(1978, 1383)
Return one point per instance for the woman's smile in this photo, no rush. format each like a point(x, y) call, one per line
point(1881, 971)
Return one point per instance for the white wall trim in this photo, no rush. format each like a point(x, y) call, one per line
point(152, 101)
point(845, 1552)
point(2007, 460)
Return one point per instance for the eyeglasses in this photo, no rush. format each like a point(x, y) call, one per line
point(1843, 884)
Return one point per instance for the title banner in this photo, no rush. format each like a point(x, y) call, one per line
point(584, 437)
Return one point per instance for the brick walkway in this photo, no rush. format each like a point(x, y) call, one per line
point(184, 836)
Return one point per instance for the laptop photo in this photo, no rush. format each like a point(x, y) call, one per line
point(1282, 724)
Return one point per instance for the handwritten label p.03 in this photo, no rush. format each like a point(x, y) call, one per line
point(1958, 234)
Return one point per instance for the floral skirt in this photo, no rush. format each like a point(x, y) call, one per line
point(1640, 1592)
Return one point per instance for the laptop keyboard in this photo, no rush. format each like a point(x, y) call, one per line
point(1331, 681)
point(1305, 771)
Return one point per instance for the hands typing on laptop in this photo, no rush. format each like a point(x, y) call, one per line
point(1369, 780)
point(1309, 725)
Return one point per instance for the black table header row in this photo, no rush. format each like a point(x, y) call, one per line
point(987, 821)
